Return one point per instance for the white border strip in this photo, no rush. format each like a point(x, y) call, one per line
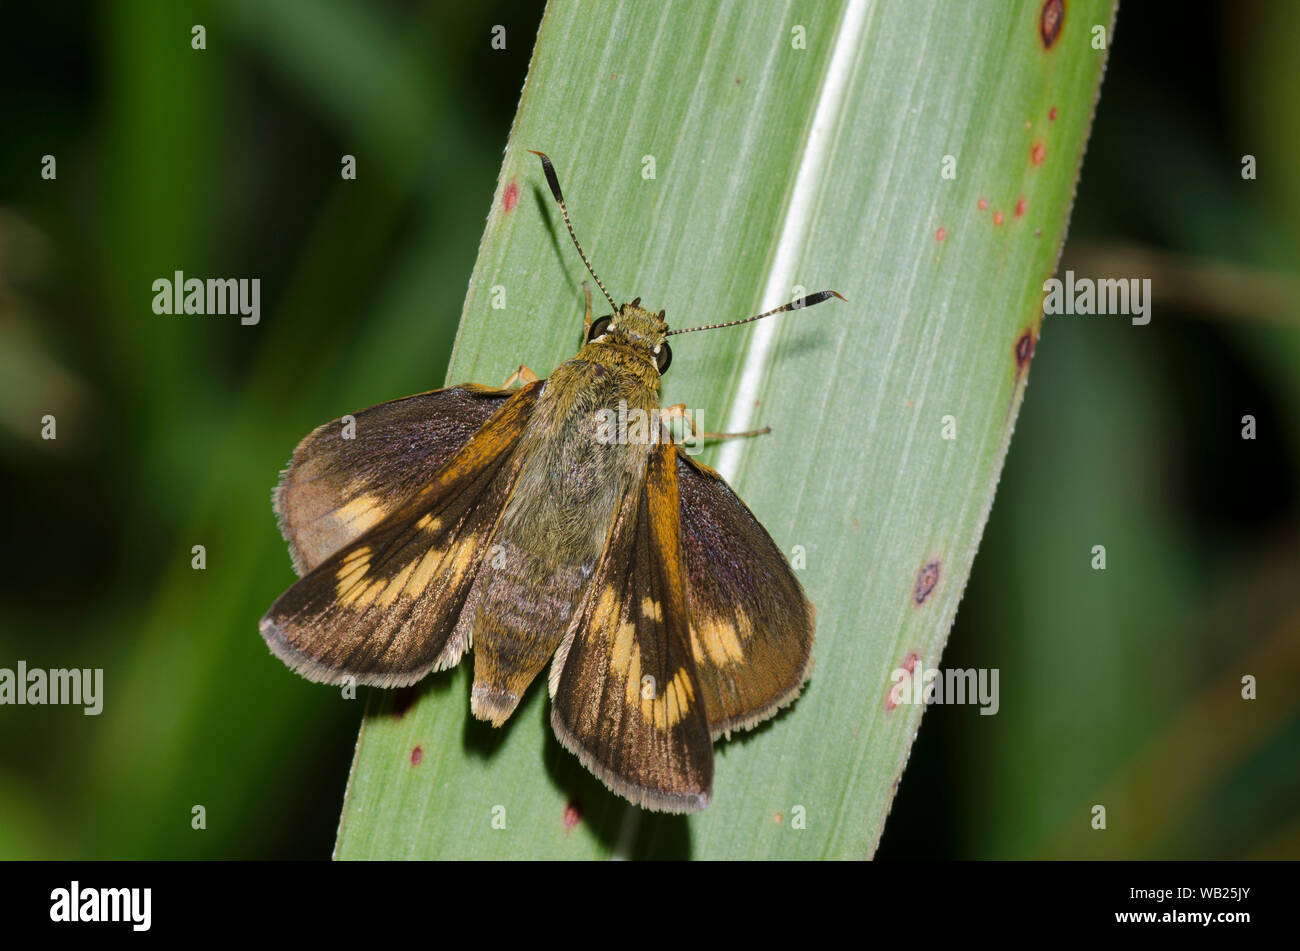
point(794, 230)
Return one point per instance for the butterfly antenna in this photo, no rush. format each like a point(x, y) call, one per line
point(799, 304)
point(554, 181)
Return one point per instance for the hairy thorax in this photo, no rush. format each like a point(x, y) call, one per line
point(574, 476)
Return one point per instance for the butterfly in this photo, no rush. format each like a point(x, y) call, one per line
point(519, 523)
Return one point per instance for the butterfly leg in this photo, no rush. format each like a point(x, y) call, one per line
point(669, 413)
point(523, 375)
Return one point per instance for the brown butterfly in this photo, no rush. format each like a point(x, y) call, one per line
point(517, 522)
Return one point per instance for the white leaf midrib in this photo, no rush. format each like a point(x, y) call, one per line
point(795, 223)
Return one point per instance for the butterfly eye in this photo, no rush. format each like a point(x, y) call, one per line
point(663, 357)
point(599, 328)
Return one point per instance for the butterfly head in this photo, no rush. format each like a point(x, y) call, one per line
point(635, 328)
point(631, 328)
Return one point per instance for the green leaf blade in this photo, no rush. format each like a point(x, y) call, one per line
point(773, 167)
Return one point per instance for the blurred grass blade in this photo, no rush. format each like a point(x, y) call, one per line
point(717, 158)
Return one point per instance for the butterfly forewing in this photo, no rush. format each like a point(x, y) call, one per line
point(625, 694)
point(350, 474)
point(384, 609)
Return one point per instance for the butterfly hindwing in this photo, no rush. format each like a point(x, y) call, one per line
point(383, 609)
point(345, 478)
point(625, 694)
point(751, 625)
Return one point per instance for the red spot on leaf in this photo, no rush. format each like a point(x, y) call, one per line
point(940, 234)
point(1024, 349)
point(926, 581)
point(1050, 21)
point(572, 815)
point(997, 217)
point(1020, 207)
point(511, 197)
point(895, 694)
point(1038, 153)
point(417, 754)
point(982, 204)
point(779, 818)
point(1051, 114)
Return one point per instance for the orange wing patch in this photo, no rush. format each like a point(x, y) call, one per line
point(624, 688)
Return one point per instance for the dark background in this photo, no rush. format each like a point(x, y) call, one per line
point(226, 162)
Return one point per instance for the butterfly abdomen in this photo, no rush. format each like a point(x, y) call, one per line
point(553, 530)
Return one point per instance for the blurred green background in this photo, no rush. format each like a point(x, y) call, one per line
point(1119, 687)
